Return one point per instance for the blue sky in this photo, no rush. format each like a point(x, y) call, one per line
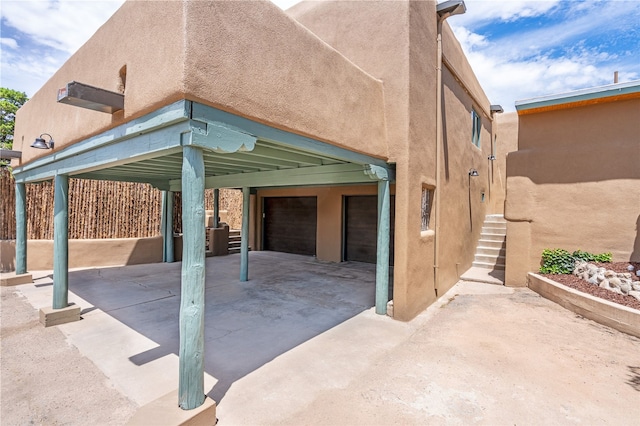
point(518, 48)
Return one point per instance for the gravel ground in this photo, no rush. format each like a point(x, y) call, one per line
point(54, 386)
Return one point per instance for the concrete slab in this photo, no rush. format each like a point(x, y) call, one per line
point(484, 275)
point(299, 343)
point(165, 411)
point(11, 279)
point(50, 317)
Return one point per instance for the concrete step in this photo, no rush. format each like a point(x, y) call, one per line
point(489, 236)
point(488, 265)
point(495, 217)
point(492, 243)
point(235, 238)
point(493, 230)
point(491, 251)
point(234, 251)
point(234, 244)
point(492, 224)
point(488, 258)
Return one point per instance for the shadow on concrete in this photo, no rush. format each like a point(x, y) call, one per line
point(288, 300)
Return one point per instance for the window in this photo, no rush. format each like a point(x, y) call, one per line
point(476, 123)
point(427, 200)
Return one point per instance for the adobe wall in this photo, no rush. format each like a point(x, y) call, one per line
point(505, 141)
point(401, 52)
point(86, 253)
point(573, 184)
point(248, 58)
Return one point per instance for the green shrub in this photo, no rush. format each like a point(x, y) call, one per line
point(560, 261)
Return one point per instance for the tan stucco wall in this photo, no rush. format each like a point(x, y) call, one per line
point(401, 52)
point(86, 253)
point(505, 134)
point(573, 184)
point(245, 57)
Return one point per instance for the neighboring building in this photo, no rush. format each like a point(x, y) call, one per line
point(574, 182)
point(313, 130)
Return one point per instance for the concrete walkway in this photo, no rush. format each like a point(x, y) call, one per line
point(299, 344)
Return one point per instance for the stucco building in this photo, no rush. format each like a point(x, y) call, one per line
point(574, 181)
point(356, 130)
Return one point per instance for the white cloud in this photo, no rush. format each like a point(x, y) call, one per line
point(481, 11)
point(9, 42)
point(576, 52)
point(64, 25)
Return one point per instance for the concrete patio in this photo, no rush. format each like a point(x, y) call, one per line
point(299, 343)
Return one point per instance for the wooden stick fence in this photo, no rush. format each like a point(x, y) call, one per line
point(100, 209)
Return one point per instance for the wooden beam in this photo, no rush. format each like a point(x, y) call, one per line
point(382, 258)
point(21, 229)
point(244, 239)
point(335, 174)
point(264, 132)
point(146, 146)
point(61, 242)
point(167, 226)
point(163, 117)
point(219, 138)
point(191, 386)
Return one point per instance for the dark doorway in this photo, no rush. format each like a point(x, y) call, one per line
point(290, 224)
point(361, 228)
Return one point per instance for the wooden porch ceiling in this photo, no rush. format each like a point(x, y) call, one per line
point(237, 153)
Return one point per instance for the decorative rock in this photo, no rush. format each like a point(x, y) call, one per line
point(638, 272)
point(605, 284)
point(625, 288)
point(600, 277)
point(636, 286)
point(609, 274)
point(592, 269)
point(635, 294)
point(626, 275)
point(615, 282)
point(585, 275)
point(593, 280)
point(630, 268)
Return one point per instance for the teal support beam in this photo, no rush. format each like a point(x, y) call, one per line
point(216, 208)
point(382, 262)
point(191, 386)
point(21, 228)
point(167, 226)
point(61, 242)
point(244, 242)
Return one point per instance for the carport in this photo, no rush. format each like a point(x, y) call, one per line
point(188, 146)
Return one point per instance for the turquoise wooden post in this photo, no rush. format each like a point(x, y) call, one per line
point(216, 207)
point(21, 229)
point(167, 226)
point(61, 242)
point(191, 387)
point(382, 262)
point(244, 240)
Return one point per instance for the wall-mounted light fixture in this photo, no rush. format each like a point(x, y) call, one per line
point(473, 172)
point(40, 143)
point(496, 109)
point(491, 157)
point(450, 7)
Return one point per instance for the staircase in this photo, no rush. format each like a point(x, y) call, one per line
point(491, 250)
point(234, 241)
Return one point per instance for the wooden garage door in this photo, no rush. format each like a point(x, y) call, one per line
point(290, 224)
point(361, 228)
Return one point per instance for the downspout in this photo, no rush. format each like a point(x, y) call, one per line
point(436, 237)
point(443, 11)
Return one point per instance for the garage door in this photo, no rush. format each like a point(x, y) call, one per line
point(361, 228)
point(290, 224)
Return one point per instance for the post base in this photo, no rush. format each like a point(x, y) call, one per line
point(50, 316)
point(165, 411)
point(11, 278)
